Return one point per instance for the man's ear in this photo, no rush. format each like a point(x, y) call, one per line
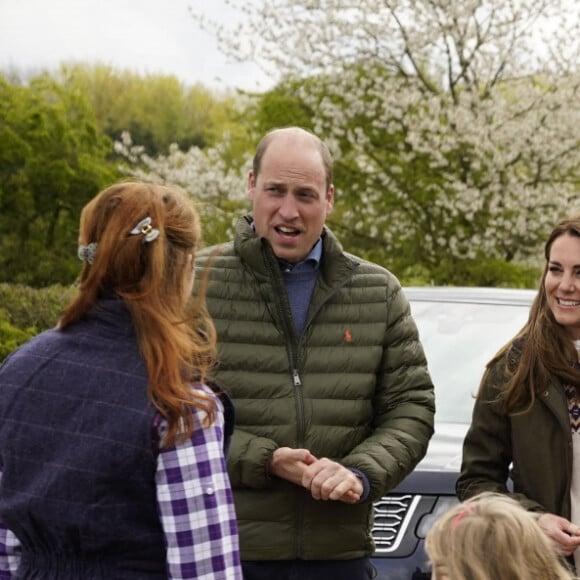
point(330, 199)
point(251, 185)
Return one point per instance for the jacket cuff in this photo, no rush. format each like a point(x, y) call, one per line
point(365, 481)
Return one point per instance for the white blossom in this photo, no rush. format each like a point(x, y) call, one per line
point(219, 190)
point(461, 117)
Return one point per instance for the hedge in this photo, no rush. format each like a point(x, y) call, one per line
point(28, 311)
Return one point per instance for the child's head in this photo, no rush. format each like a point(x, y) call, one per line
point(489, 537)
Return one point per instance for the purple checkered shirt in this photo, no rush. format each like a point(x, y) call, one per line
point(196, 508)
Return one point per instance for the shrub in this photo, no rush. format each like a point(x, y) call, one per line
point(28, 311)
point(34, 308)
point(11, 337)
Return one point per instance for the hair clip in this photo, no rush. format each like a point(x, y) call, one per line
point(87, 253)
point(460, 516)
point(144, 227)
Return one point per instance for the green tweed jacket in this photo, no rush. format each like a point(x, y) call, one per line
point(354, 388)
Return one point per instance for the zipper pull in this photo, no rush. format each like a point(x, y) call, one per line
point(296, 377)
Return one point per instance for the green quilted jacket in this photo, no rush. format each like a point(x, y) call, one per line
point(354, 388)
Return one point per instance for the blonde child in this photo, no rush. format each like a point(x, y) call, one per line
point(492, 537)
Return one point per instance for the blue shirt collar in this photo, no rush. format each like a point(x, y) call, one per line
point(311, 262)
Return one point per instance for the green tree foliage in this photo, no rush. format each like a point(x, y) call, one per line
point(158, 110)
point(280, 107)
point(31, 308)
point(56, 152)
point(52, 161)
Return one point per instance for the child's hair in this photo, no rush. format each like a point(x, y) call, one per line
point(137, 241)
point(492, 537)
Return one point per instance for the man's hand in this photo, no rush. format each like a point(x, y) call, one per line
point(328, 480)
point(565, 536)
point(325, 479)
point(290, 464)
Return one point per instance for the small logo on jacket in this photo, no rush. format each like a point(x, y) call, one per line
point(347, 335)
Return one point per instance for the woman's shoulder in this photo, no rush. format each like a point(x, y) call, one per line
point(504, 363)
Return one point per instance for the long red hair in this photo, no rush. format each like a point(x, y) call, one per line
point(151, 279)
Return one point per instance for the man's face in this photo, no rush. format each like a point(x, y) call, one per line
point(289, 196)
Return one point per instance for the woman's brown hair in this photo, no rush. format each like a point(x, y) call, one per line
point(545, 346)
point(151, 278)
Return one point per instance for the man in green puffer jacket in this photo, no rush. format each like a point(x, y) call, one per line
point(334, 403)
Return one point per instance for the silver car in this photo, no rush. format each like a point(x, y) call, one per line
point(461, 329)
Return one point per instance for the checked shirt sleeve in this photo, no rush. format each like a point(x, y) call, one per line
point(9, 551)
point(196, 506)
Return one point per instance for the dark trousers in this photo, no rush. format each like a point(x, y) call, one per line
point(359, 569)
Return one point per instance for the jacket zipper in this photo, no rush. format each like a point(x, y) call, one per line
point(293, 348)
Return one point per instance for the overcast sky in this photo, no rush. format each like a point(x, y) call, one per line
point(146, 36)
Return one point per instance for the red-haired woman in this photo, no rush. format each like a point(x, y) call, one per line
point(111, 441)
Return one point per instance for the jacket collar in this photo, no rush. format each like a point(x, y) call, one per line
point(259, 256)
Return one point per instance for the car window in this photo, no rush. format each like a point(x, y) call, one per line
point(459, 339)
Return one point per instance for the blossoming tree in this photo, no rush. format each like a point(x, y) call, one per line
point(202, 173)
point(453, 124)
